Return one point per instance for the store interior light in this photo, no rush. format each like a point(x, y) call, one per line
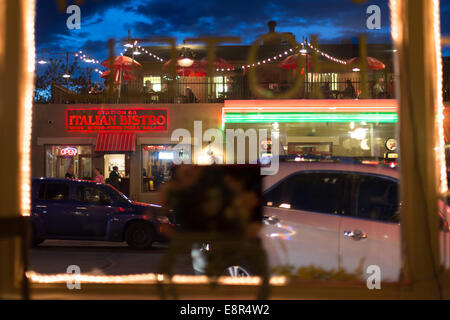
point(356, 69)
point(303, 51)
point(164, 155)
point(136, 52)
point(358, 134)
point(128, 45)
point(42, 61)
point(66, 75)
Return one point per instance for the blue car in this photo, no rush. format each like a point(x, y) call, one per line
point(84, 210)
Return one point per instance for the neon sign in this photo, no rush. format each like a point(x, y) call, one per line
point(68, 151)
point(123, 119)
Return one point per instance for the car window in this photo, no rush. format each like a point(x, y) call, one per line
point(54, 191)
point(376, 199)
point(92, 195)
point(116, 195)
point(316, 192)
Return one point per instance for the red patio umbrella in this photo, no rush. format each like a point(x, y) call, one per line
point(372, 63)
point(127, 76)
point(195, 70)
point(290, 62)
point(121, 62)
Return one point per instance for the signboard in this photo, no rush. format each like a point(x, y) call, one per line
point(68, 151)
point(117, 120)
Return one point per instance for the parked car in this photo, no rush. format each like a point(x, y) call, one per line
point(330, 215)
point(86, 210)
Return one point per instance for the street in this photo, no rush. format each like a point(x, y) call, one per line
point(98, 257)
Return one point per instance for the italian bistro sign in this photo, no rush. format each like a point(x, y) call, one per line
point(117, 119)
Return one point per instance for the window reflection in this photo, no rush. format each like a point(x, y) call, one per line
point(157, 164)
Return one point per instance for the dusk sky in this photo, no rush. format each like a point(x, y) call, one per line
point(332, 20)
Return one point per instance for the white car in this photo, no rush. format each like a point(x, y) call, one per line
point(328, 215)
point(333, 216)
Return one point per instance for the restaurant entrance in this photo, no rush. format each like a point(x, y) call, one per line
point(122, 162)
point(59, 158)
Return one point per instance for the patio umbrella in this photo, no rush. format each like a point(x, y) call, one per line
point(127, 76)
point(372, 63)
point(290, 62)
point(218, 64)
point(121, 62)
point(195, 70)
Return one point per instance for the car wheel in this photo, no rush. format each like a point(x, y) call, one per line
point(237, 271)
point(139, 235)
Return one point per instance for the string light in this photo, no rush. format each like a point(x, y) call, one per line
point(149, 278)
point(440, 105)
point(326, 55)
point(138, 50)
point(275, 57)
point(303, 51)
point(85, 58)
point(26, 107)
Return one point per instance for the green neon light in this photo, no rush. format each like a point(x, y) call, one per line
point(383, 117)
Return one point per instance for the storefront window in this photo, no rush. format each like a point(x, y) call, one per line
point(58, 160)
point(221, 86)
point(157, 163)
point(358, 139)
point(154, 81)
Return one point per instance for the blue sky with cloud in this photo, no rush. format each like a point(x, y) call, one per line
point(332, 20)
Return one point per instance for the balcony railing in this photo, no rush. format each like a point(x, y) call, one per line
point(200, 90)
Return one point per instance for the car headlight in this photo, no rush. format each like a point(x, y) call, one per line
point(163, 219)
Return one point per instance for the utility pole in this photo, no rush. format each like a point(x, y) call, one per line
point(67, 70)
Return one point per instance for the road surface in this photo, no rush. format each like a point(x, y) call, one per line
point(95, 257)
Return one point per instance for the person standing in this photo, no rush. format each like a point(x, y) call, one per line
point(349, 92)
point(69, 173)
point(326, 90)
point(379, 90)
point(190, 96)
point(98, 176)
point(114, 178)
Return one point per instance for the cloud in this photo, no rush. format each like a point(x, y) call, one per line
point(331, 20)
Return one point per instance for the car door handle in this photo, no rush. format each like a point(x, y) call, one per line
point(41, 206)
point(356, 234)
point(271, 219)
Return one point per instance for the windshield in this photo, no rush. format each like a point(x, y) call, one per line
point(117, 195)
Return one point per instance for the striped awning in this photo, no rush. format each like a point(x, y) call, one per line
point(122, 141)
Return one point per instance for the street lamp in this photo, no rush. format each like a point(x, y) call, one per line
point(185, 62)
